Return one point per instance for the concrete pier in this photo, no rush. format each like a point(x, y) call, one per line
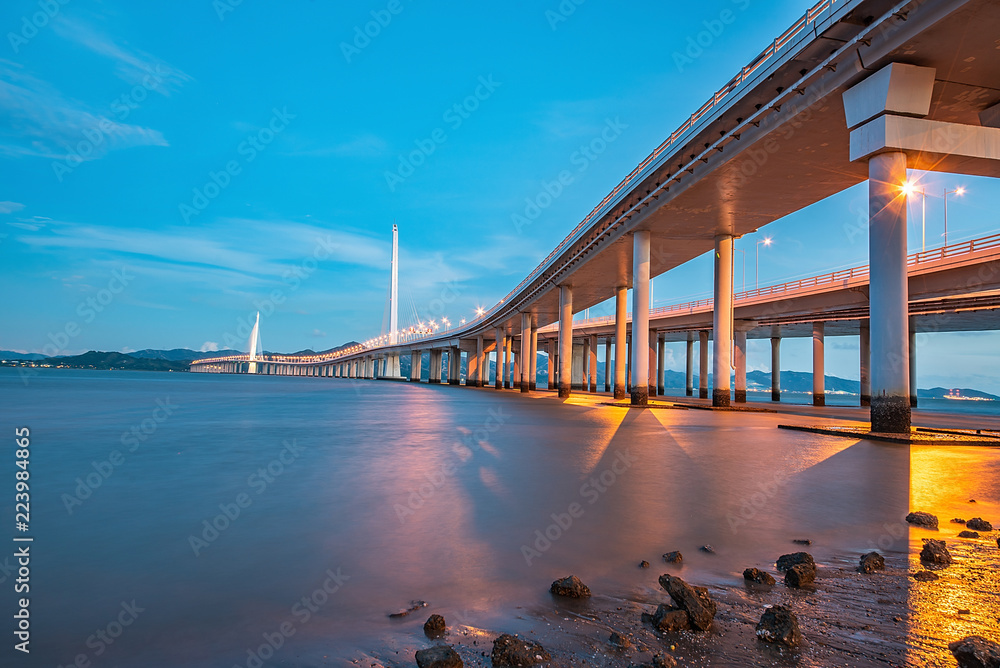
point(565, 341)
point(593, 363)
point(608, 371)
point(533, 364)
point(508, 354)
point(740, 362)
point(640, 318)
point(913, 363)
point(819, 364)
point(621, 332)
point(888, 294)
point(775, 368)
point(525, 379)
point(703, 364)
point(661, 346)
point(866, 363)
point(722, 321)
point(689, 366)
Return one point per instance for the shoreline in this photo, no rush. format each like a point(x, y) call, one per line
point(846, 618)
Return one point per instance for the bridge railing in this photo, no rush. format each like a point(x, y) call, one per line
point(802, 23)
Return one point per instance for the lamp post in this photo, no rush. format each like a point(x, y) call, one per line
point(767, 242)
point(957, 191)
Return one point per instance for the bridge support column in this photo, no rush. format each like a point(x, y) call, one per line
point(550, 353)
point(482, 367)
point(416, 361)
point(434, 372)
point(515, 375)
point(533, 363)
point(775, 368)
point(819, 364)
point(621, 332)
point(703, 364)
point(525, 352)
point(565, 341)
point(455, 366)
point(888, 294)
point(629, 368)
point(640, 318)
point(722, 325)
point(607, 365)
point(651, 388)
point(508, 355)
point(689, 366)
point(586, 369)
point(661, 346)
point(593, 363)
point(740, 359)
point(913, 363)
point(866, 362)
point(501, 346)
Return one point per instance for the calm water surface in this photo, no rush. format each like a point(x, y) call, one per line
point(406, 492)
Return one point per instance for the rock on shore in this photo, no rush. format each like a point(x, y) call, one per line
point(871, 562)
point(979, 524)
point(512, 651)
point(434, 626)
point(674, 557)
point(439, 656)
point(571, 587)
point(976, 652)
point(779, 625)
point(935, 552)
point(758, 576)
point(695, 601)
point(922, 519)
point(786, 561)
point(800, 575)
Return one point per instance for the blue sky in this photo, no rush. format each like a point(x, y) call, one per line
point(226, 157)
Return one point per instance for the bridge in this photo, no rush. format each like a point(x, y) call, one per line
point(855, 90)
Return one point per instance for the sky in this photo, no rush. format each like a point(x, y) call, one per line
point(171, 168)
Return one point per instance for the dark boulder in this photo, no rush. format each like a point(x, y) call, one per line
point(620, 641)
point(976, 652)
point(968, 534)
point(779, 625)
point(435, 625)
point(802, 541)
point(935, 552)
point(871, 562)
point(786, 561)
point(512, 651)
point(664, 661)
point(695, 601)
point(643, 564)
point(707, 549)
point(979, 524)
point(922, 519)
point(668, 619)
point(571, 587)
point(958, 520)
point(758, 576)
point(439, 656)
point(800, 575)
point(673, 557)
point(925, 576)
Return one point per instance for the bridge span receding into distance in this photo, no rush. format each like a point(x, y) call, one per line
point(855, 90)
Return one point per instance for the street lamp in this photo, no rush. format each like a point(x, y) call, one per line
point(767, 242)
point(957, 191)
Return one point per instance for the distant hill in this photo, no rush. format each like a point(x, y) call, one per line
point(11, 355)
point(108, 361)
point(181, 354)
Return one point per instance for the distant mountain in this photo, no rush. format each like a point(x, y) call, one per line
point(107, 361)
point(180, 354)
point(801, 381)
point(11, 355)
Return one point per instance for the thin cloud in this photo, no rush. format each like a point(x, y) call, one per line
point(10, 207)
point(365, 146)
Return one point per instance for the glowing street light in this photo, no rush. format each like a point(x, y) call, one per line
point(756, 274)
point(957, 191)
point(480, 311)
